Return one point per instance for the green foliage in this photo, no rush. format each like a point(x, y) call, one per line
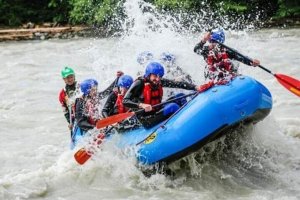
point(174, 4)
point(288, 8)
point(16, 12)
point(234, 7)
point(60, 10)
point(6, 16)
point(92, 11)
point(167, 3)
point(82, 11)
point(105, 11)
point(222, 7)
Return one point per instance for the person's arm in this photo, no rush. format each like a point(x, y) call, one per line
point(108, 107)
point(81, 118)
point(233, 55)
point(177, 84)
point(133, 94)
point(247, 61)
point(111, 87)
point(108, 90)
point(66, 113)
point(200, 48)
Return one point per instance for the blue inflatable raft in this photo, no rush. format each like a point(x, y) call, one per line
point(206, 117)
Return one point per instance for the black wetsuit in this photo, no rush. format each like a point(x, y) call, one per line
point(109, 107)
point(81, 118)
point(134, 97)
point(203, 50)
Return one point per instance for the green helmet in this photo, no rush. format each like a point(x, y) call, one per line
point(67, 71)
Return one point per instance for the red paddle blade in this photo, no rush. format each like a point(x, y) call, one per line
point(289, 83)
point(113, 119)
point(81, 156)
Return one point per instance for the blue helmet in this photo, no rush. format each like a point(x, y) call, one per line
point(218, 35)
point(144, 57)
point(125, 81)
point(87, 85)
point(154, 68)
point(167, 57)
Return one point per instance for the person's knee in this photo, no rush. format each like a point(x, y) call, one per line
point(182, 100)
point(170, 108)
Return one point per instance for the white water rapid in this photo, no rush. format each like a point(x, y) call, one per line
point(262, 162)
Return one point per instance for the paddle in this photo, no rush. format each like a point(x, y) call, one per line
point(70, 102)
point(72, 145)
point(82, 155)
point(288, 82)
point(120, 117)
point(70, 118)
point(162, 125)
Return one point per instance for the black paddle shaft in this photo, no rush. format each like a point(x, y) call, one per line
point(163, 103)
point(157, 105)
point(245, 57)
point(194, 93)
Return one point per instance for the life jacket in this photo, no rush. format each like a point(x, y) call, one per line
point(218, 62)
point(219, 59)
point(65, 97)
point(92, 111)
point(152, 96)
point(120, 108)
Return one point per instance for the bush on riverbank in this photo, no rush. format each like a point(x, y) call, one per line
point(17, 12)
point(99, 12)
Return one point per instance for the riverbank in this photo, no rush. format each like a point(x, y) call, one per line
point(283, 22)
point(32, 32)
point(42, 33)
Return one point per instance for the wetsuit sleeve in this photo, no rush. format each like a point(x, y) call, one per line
point(67, 116)
point(81, 118)
point(108, 90)
point(201, 49)
point(177, 84)
point(109, 105)
point(132, 96)
point(235, 56)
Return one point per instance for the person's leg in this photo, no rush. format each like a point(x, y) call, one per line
point(161, 115)
point(77, 134)
point(180, 101)
point(169, 109)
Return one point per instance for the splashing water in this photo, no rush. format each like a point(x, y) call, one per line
point(255, 162)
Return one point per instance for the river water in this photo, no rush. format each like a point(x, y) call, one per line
point(258, 162)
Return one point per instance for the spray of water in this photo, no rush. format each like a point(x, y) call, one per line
point(230, 159)
point(254, 162)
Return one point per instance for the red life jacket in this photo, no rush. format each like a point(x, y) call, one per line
point(119, 104)
point(152, 96)
point(91, 111)
point(63, 99)
point(219, 59)
point(92, 121)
